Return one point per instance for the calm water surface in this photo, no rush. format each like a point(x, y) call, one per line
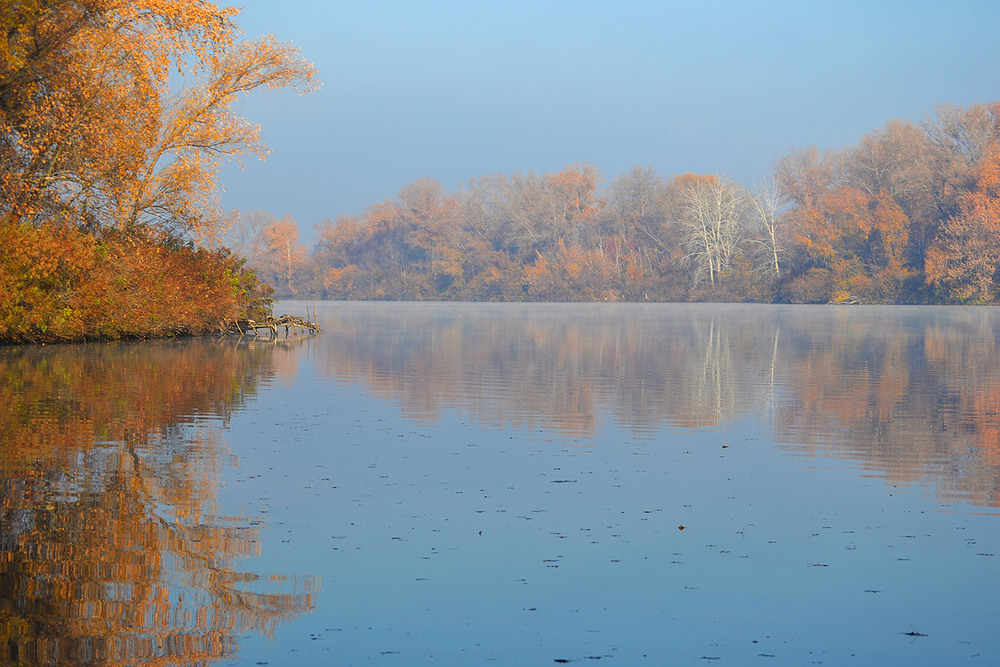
point(510, 484)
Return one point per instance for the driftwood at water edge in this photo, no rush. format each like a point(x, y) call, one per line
point(250, 327)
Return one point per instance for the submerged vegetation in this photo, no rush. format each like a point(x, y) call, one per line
point(114, 115)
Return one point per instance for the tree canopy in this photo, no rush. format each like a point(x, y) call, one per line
point(114, 115)
point(908, 215)
point(116, 112)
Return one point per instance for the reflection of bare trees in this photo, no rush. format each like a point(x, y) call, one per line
point(110, 552)
point(553, 365)
point(909, 392)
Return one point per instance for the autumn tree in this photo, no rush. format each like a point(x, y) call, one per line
point(525, 213)
point(897, 161)
point(90, 129)
point(114, 115)
point(863, 221)
point(561, 205)
point(245, 234)
point(893, 160)
point(344, 258)
point(635, 205)
point(571, 273)
point(177, 185)
point(960, 138)
point(633, 228)
point(414, 237)
point(965, 263)
point(438, 245)
point(823, 237)
point(487, 203)
point(80, 95)
point(282, 255)
point(847, 246)
point(855, 225)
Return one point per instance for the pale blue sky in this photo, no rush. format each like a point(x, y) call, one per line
point(455, 90)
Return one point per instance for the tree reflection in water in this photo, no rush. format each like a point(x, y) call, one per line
point(111, 551)
point(908, 392)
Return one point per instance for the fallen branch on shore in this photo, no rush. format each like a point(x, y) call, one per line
point(271, 324)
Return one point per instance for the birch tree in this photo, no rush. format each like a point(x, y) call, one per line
point(764, 206)
point(713, 219)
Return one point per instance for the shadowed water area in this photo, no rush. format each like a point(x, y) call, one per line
point(516, 484)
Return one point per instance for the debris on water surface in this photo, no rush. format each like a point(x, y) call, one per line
point(913, 633)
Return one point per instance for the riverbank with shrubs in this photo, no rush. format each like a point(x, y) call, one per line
point(59, 283)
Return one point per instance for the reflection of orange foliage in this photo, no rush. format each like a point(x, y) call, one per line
point(898, 391)
point(109, 549)
point(903, 397)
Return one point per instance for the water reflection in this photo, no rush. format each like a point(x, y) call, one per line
point(111, 549)
point(909, 393)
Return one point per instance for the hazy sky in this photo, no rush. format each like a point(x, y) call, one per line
point(459, 89)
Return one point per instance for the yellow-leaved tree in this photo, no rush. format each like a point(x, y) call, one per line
point(115, 113)
point(965, 262)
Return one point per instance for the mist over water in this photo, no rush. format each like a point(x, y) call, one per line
point(470, 483)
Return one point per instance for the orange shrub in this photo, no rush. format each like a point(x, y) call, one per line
point(63, 284)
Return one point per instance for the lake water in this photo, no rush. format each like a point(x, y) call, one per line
point(461, 484)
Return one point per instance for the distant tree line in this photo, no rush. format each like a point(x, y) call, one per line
point(911, 214)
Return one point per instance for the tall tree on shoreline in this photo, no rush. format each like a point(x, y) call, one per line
point(97, 124)
point(114, 115)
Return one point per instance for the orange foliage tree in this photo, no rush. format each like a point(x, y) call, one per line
point(113, 117)
point(339, 252)
point(284, 254)
point(847, 244)
point(88, 126)
point(65, 285)
point(965, 264)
